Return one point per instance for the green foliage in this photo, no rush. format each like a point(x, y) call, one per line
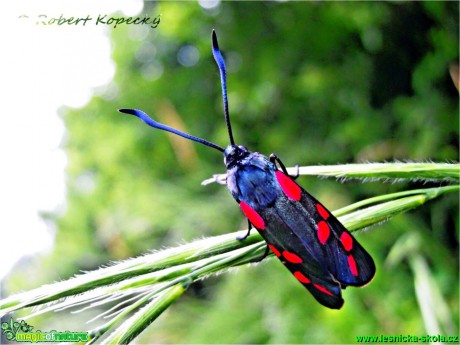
point(315, 82)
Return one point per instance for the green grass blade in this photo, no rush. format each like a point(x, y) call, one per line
point(133, 326)
point(432, 192)
point(383, 211)
point(375, 171)
point(121, 271)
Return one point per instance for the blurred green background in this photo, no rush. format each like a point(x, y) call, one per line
point(315, 82)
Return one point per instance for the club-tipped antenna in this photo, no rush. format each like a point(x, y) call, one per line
point(148, 120)
point(223, 80)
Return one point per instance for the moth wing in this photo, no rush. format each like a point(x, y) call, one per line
point(302, 263)
point(323, 235)
point(345, 258)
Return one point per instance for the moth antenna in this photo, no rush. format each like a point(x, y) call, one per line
point(152, 123)
point(223, 80)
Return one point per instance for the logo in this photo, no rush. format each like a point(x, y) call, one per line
point(21, 331)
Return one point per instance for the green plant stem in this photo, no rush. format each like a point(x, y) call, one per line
point(374, 171)
point(432, 192)
point(144, 317)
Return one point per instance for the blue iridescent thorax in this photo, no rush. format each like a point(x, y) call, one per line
point(250, 177)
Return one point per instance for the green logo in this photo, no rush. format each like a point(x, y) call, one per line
point(21, 331)
point(11, 329)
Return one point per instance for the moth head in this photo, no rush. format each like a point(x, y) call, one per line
point(233, 154)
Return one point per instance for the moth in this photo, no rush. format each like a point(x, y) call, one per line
point(318, 250)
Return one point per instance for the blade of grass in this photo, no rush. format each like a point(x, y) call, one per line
point(129, 328)
point(132, 327)
point(433, 192)
point(435, 310)
point(133, 267)
point(397, 170)
point(384, 211)
point(374, 171)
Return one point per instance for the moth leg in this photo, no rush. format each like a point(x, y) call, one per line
point(274, 159)
point(264, 255)
point(242, 238)
point(297, 172)
point(217, 178)
point(220, 180)
point(245, 236)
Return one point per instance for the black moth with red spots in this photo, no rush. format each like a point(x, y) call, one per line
point(299, 230)
point(318, 250)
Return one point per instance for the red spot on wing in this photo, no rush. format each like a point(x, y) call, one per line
point(323, 231)
point(253, 216)
point(301, 277)
point(322, 211)
point(289, 187)
point(352, 265)
point(292, 258)
point(347, 241)
point(323, 289)
point(274, 250)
